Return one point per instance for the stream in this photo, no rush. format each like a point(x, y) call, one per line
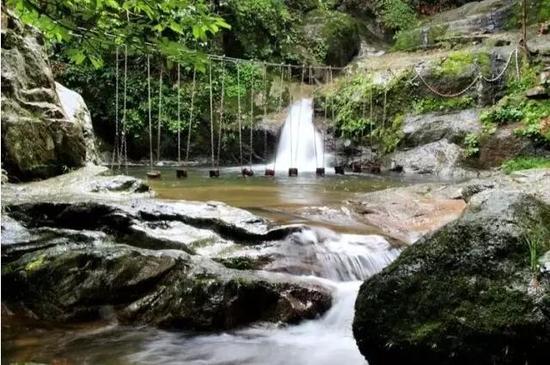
point(339, 256)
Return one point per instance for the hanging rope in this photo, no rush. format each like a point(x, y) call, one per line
point(211, 115)
point(496, 78)
point(220, 122)
point(290, 117)
point(159, 115)
point(124, 121)
point(190, 123)
point(116, 154)
point(449, 95)
point(149, 112)
point(251, 123)
point(239, 115)
point(265, 115)
point(371, 115)
point(384, 108)
point(279, 107)
point(313, 127)
point(179, 115)
point(301, 91)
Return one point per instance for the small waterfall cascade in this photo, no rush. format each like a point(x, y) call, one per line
point(300, 142)
point(340, 261)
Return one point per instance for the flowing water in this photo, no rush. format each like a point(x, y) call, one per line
point(338, 260)
point(300, 144)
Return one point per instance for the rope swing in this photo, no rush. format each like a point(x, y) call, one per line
point(124, 121)
point(271, 172)
point(239, 116)
point(159, 115)
point(151, 173)
point(115, 157)
point(265, 119)
point(190, 123)
point(180, 171)
point(220, 121)
point(292, 171)
point(251, 150)
point(319, 171)
point(338, 169)
point(213, 172)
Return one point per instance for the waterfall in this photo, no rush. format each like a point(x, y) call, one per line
point(300, 141)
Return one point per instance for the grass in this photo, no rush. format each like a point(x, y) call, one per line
point(525, 163)
point(537, 241)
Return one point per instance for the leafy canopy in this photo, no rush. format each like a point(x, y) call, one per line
point(89, 29)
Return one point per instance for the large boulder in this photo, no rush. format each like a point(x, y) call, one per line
point(431, 127)
point(77, 112)
point(137, 260)
point(80, 277)
point(441, 158)
point(39, 139)
point(465, 293)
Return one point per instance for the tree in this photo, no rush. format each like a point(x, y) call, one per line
point(88, 29)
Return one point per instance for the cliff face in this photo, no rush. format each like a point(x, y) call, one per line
point(40, 137)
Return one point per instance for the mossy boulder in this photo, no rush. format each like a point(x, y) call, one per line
point(332, 37)
point(465, 293)
point(39, 138)
point(65, 276)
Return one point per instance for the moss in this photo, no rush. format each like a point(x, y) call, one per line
point(419, 37)
point(244, 262)
point(456, 64)
point(432, 104)
point(35, 264)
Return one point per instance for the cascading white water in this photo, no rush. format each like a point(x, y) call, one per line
point(300, 142)
point(340, 261)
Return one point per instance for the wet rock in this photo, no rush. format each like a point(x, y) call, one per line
point(75, 282)
point(38, 139)
point(408, 213)
point(432, 127)
point(440, 158)
point(465, 293)
point(121, 183)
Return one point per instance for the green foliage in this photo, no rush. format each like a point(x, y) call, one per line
point(349, 102)
point(89, 29)
point(396, 14)
point(525, 163)
point(471, 145)
point(432, 104)
point(261, 28)
point(537, 239)
point(97, 86)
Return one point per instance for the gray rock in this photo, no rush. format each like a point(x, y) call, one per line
point(77, 112)
point(120, 183)
point(440, 158)
point(166, 288)
point(432, 127)
point(463, 294)
point(38, 138)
